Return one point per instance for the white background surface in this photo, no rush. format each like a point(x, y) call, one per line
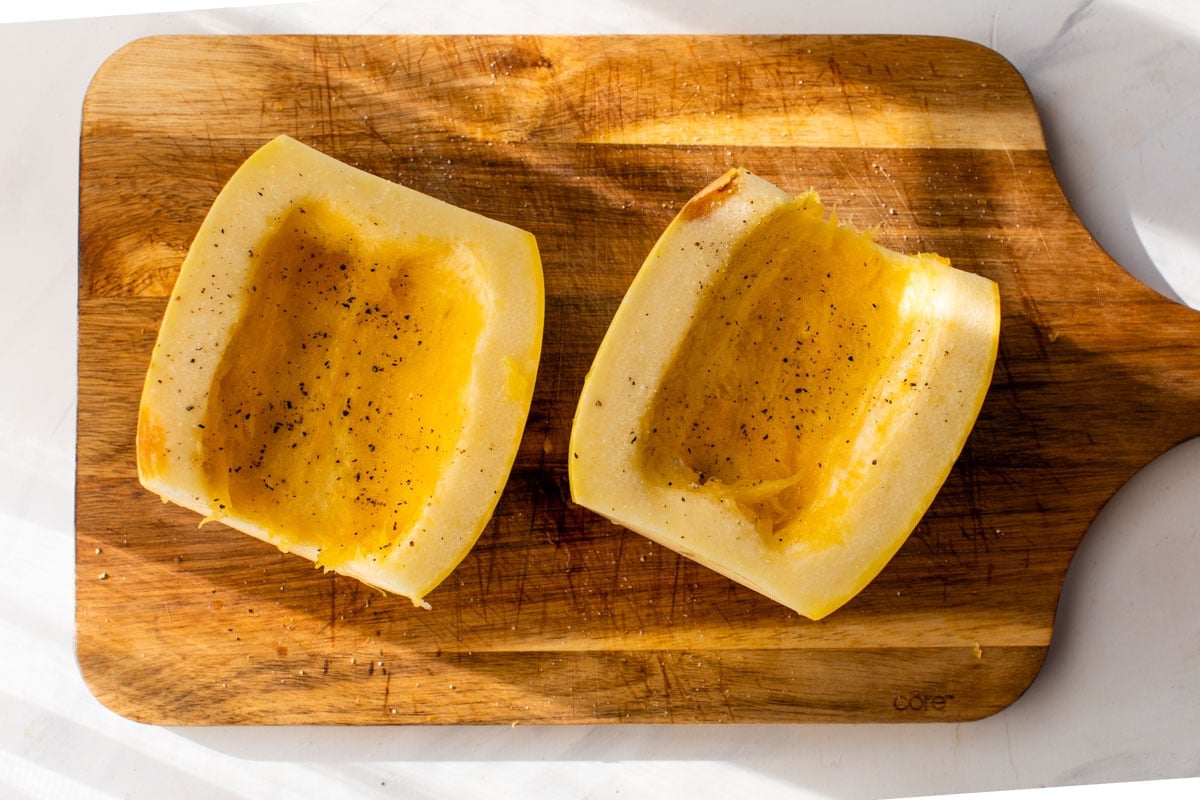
point(1118, 87)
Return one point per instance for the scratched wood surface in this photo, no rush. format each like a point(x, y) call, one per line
point(593, 144)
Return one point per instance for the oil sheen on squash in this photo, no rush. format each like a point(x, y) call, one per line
point(783, 357)
point(344, 339)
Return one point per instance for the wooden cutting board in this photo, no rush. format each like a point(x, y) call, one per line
point(593, 144)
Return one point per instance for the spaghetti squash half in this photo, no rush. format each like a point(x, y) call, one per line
point(779, 397)
point(344, 369)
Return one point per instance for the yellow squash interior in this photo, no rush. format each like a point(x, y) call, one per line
point(353, 357)
point(787, 350)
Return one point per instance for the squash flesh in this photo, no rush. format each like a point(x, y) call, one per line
point(304, 403)
point(759, 407)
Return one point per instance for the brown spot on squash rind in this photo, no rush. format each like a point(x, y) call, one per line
point(151, 443)
point(710, 197)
